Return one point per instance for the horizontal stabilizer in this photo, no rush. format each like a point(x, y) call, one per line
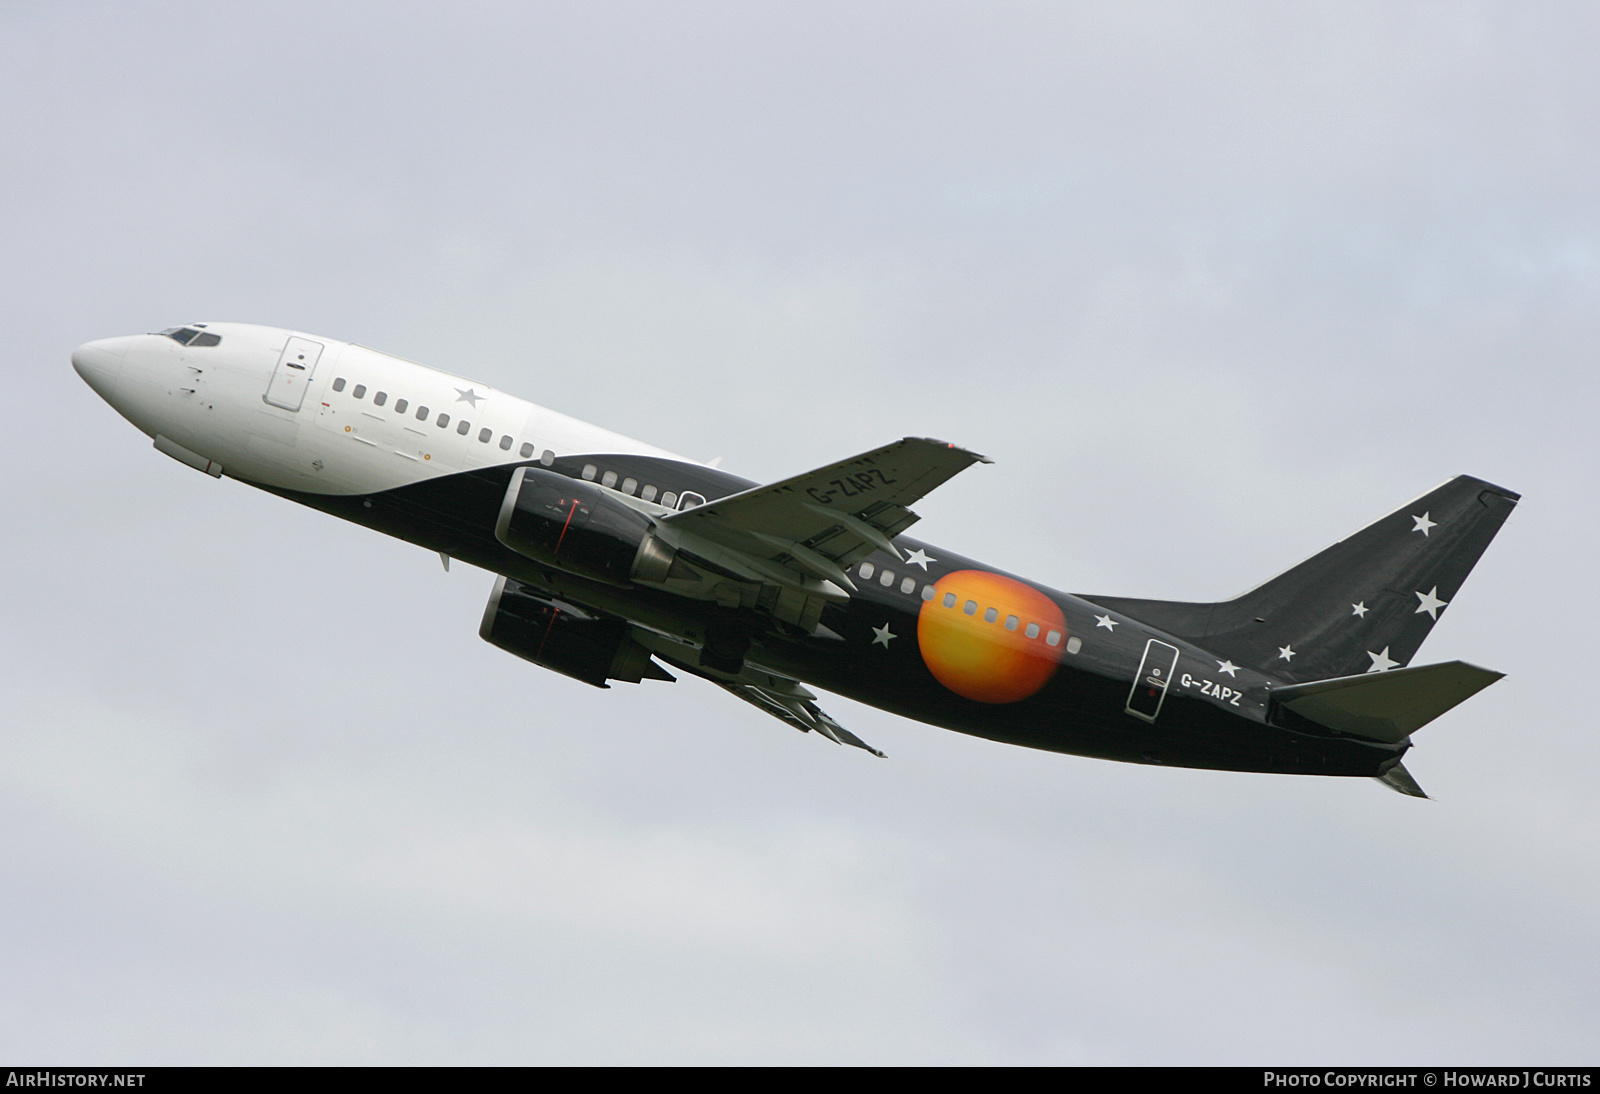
point(1385, 706)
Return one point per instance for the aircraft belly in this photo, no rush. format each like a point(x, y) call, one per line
point(1081, 711)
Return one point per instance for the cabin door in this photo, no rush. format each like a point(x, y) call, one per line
point(293, 374)
point(1150, 683)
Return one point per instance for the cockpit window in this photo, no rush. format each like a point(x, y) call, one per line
point(188, 336)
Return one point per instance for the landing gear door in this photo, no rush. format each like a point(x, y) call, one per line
point(293, 374)
point(1151, 681)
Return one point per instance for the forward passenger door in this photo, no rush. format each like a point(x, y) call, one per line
point(292, 376)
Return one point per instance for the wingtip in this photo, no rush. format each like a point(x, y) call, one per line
point(1398, 779)
point(977, 457)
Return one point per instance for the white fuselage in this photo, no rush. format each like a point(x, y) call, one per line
point(365, 421)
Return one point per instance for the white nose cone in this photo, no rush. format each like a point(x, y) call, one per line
point(100, 364)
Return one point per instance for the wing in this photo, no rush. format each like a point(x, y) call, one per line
point(784, 698)
point(823, 521)
point(798, 710)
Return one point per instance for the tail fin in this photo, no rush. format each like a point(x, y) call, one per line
point(1363, 605)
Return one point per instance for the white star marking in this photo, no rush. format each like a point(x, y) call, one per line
point(881, 636)
point(1430, 603)
point(1361, 610)
point(920, 558)
point(1286, 653)
point(1107, 622)
point(468, 396)
point(1228, 667)
point(1423, 523)
point(1380, 661)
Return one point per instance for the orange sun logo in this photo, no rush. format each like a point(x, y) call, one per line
point(990, 638)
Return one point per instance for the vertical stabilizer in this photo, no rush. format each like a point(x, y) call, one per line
point(1363, 605)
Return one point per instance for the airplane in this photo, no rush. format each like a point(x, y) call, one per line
point(618, 561)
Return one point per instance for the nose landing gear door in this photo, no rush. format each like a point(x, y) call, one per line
point(1150, 683)
point(293, 374)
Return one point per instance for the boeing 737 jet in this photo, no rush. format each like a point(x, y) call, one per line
point(618, 561)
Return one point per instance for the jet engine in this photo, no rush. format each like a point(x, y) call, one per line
point(565, 638)
point(577, 527)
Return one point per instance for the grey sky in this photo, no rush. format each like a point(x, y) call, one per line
point(1213, 287)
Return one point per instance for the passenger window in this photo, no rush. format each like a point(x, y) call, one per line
point(689, 500)
point(629, 485)
point(949, 600)
point(1032, 631)
point(505, 443)
point(484, 435)
point(927, 592)
point(422, 413)
point(909, 585)
point(1074, 644)
point(669, 499)
point(648, 493)
point(886, 578)
point(970, 607)
point(526, 450)
point(548, 458)
point(866, 569)
point(1053, 638)
point(338, 385)
point(380, 398)
point(589, 472)
point(360, 390)
point(442, 421)
point(1011, 622)
point(400, 406)
point(991, 615)
point(609, 479)
point(463, 426)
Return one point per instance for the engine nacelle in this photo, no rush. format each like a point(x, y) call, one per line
point(565, 639)
point(577, 527)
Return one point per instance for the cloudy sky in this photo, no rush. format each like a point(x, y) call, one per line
point(1214, 285)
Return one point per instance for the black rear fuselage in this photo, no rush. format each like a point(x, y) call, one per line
point(1105, 685)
